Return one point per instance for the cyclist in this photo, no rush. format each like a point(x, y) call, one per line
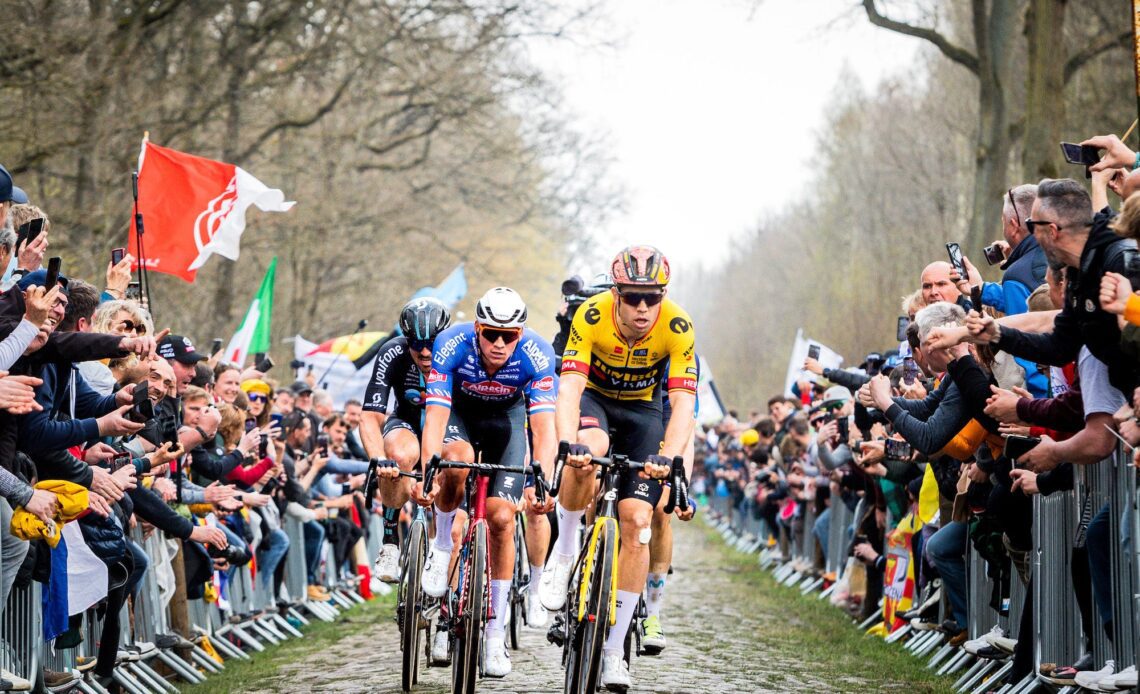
point(393, 409)
point(480, 374)
point(619, 345)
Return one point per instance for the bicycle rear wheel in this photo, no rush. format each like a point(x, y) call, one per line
point(410, 604)
point(469, 638)
point(585, 662)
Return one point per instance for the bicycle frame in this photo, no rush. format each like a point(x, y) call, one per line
point(606, 512)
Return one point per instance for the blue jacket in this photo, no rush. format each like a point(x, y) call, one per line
point(45, 431)
point(1024, 272)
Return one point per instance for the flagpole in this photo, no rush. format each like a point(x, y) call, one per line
point(359, 327)
point(144, 278)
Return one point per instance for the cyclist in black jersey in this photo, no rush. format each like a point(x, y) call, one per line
point(393, 407)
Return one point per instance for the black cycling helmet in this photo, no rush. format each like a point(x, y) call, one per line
point(424, 318)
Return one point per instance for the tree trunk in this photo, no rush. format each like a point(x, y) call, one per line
point(994, 34)
point(1044, 90)
point(223, 291)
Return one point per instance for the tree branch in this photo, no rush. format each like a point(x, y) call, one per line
point(1081, 58)
point(955, 53)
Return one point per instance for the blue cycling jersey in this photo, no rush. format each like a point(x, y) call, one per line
point(457, 373)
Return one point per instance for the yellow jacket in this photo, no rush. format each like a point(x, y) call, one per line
point(73, 502)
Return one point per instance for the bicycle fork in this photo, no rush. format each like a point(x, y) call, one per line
point(584, 585)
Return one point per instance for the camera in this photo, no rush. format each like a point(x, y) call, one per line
point(993, 254)
point(232, 554)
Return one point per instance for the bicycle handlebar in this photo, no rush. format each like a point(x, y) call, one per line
point(436, 464)
point(372, 480)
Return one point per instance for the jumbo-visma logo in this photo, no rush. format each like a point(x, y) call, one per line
point(211, 218)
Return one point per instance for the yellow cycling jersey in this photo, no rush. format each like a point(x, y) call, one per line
point(624, 371)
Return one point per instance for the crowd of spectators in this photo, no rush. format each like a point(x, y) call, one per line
point(104, 420)
point(1002, 390)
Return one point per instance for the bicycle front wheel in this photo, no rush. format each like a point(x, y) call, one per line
point(411, 605)
point(590, 633)
point(469, 642)
point(518, 596)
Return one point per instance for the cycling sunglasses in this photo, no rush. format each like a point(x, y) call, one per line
point(492, 335)
point(635, 298)
point(420, 345)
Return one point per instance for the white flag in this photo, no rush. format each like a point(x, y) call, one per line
point(250, 191)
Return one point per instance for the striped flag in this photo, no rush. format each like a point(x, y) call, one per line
point(253, 335)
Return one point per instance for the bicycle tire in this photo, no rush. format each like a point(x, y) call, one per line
point(410, 603)
point(518, 594)
point(469, 641)
point(588, 661)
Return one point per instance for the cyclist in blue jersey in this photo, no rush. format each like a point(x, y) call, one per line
point(393, 410)
point(487, 379)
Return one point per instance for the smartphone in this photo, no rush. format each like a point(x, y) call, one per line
point(117, 255)
point(52, 272)
point(813, 352)
point(29, 230)
point(955, 252)
point(250, 424)
point(1017, 446)
point(976, 298)
point(843, 428)
point(258, 356)
point(134, 291)
point(275, 419)
point(216, 345)
point(264, 364)
point(118, 460)
point(896, 449)
point(910, 371)
point(263, 447)
point(1085, 155)
point(323, 444)
point(993, 254)
point(900, 328)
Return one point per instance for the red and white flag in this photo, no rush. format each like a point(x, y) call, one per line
point(193, 208)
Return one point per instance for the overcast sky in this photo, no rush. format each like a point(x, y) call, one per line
point(713, 106)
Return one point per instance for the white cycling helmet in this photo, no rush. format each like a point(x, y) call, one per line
point(501, 307)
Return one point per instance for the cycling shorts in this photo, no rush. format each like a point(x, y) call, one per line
point(636, 430)
point(392, 423)
point(500, 436)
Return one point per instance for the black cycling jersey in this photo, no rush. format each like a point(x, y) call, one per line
point(395, 377)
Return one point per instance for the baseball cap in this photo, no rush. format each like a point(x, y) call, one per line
point(750, 437)
point(38, 278)
point(836, 394)
point(9, 190)
point(299, 387)
point(180, 349)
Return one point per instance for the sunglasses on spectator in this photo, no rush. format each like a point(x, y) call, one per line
point(130, 325)
point(420, 345)
point(1014, 206)
point(1032, 224)
point(257, 397)
point(493, 335)
point(635, 298)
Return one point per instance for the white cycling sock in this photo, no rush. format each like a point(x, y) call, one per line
point(626, 605)
point(568, 522)
point(654, 594)
point(500, 592)
point(443, 521)
point(535, 577)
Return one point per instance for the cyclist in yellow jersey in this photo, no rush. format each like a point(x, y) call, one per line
point(622, 344)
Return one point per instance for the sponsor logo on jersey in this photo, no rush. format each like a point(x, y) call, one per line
point(489, 388)
point(679, 325)
point(691, 370)
point(377, 398)
point(545, 384)
point(640, 352)
point(588, 422)
point(435, 377)
point(610, 495)
point(618, 349)
point(540, 360)
point(569, 353)
point(449, 347)
point(593, 315)
point(508, 482)
point(414, 396)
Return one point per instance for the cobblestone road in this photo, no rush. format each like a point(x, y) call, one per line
point(729, 649)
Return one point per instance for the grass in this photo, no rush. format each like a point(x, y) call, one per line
point(813, 626)
point(318, 635)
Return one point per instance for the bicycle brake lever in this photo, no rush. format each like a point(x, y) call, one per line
point(370, 481)
point(429, 474)
point(539, 482)
point(559, 464)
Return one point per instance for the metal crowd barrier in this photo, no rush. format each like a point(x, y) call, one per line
point(145, 619)
point(1058, 635)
